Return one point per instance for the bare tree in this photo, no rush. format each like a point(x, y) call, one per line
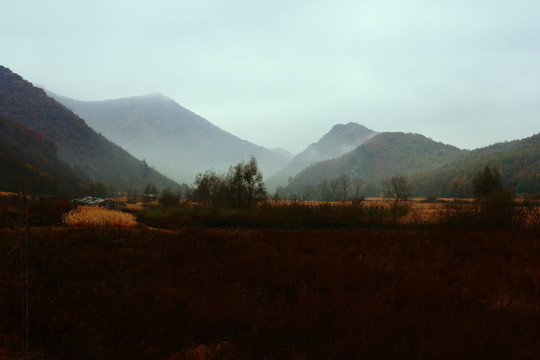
point(308, 192)
point(397, 189)
point(344, 182)
point(322, 189)
point(358, 184)
point(333, 185)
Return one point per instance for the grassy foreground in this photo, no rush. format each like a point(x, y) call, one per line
point(224, 293)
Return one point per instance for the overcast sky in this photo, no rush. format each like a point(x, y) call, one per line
point(282, 73)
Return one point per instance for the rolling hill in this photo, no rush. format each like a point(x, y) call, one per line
point(341, 139)
point(175, 140)
point(383, 155)
point(518, 163)
point(78, 145)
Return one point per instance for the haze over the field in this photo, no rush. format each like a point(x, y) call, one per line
point(282, 73)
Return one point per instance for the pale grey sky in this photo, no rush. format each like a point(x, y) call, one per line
point(282, 73)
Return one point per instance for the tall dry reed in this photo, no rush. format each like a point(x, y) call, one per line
point(86, 215)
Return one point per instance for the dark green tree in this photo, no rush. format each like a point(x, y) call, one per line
point(144, 168)
point(209, 188)
point(168, 198)
point(494, 200)
point(487, 184)
point(254, 184)
point(245, 184)
point(241, 187)
point(147, 193)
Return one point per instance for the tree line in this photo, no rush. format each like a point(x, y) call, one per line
point(240, 187)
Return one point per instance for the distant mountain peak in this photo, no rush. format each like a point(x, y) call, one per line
point(341, 139)
point(155, 96)
point(347, 134)
point(347, 127)
point(174, 139)
point(384, 154)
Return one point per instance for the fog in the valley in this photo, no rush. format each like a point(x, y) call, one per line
point(170, 138)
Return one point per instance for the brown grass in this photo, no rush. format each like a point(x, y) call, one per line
point(7, 194)
point(130, 293)
point(134, 207)
point(95, 216)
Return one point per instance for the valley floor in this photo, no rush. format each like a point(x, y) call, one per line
point(229, 293)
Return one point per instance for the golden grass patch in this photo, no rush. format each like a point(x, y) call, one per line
point(7, 194)
point(134, 207)
point(86, 215)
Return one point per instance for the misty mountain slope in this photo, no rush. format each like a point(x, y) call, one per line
point(78, 145)
point(170, 137)
point(28, 160)
point(518, 162)
point(383, 155)
point(338, 141)
point(284, 152)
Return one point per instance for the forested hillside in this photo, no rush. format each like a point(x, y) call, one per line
point(78, 145)
point(341, 139)
point(30, 161)
point(518, 162)
point(384, 155)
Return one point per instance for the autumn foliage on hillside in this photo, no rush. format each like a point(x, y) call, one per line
point(29, 160)
point(80, 146)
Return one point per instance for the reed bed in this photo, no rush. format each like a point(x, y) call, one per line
point(7, 194)
point(86, 215)
point(134, 207)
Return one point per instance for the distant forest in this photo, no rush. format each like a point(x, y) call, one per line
point(451, 175)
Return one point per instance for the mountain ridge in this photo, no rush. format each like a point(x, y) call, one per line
point(173, 138)
point(518, 162)
point(433, 168)
point(341, 139)
point(153, 120)
point(80, 146)
point(385, 154)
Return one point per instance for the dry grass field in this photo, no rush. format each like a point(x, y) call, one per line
point(285, 281)
point(86, 215)
point(7, 194)
point(132, 293)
